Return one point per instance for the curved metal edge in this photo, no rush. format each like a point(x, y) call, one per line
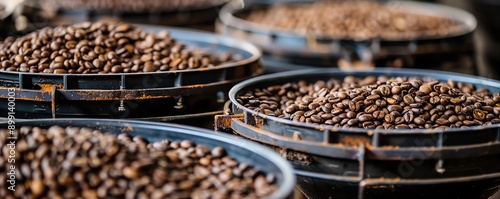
point(226, 15)
point(351, 152)
point(386, 71)
point(284, 190)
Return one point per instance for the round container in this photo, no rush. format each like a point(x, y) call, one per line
point(241, 150)
point(451, 53)
point(158, 96)
point(348, 163)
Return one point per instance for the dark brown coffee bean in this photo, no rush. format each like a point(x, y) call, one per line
point(469, 122)
point(396, 90)
point(352, 122)
point(378, 115)
point(419, 121)
point(391, 101)
point(394, 108)
point(488, 109)
point(408, 99)
point(478, 114)
point(389, 118)
point(442, 121)
point(116, 69)
point(425, 89)
point(408, 116)
point(371, 109)
point(373, 97)
point(402, 126)
point(60, 71)
point(385, 90)
point(351, 114)
point(365, 117)
point(316, 119)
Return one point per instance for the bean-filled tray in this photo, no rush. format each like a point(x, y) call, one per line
point(364, 140)
point(130, 159)
point(128, 81)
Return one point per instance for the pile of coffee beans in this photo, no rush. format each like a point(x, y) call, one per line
point(352, 19)
point(378, 103)
point(102, 47)
point(133, 5)
point(85, 163)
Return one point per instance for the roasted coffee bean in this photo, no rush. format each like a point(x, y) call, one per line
point(402, 126)
point(396, 108)
point(371, 109)
point(81, 162)
point(425, 89)
point(408, 116)
point(106, 47)
point(417, 103)
point(365, 117)
point(442, 121)
point(478, 114)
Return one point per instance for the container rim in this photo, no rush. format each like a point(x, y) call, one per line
point(238, 88)
point(283, 191)
point(188, 35)
point(172, 10)
point(468, 21)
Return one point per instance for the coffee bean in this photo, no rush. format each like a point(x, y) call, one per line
point(396, 108)
point(442, 121)
point(217, 152)
point(425, 89)
point(408, 116)
point(316, 119)
point(402, 126)
point(396, 90)
point(478, 114)
point(365, 117)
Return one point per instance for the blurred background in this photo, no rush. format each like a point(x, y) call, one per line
point(17, 17)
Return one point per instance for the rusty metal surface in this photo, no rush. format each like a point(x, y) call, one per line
point(225, 121)
point(104, 95)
